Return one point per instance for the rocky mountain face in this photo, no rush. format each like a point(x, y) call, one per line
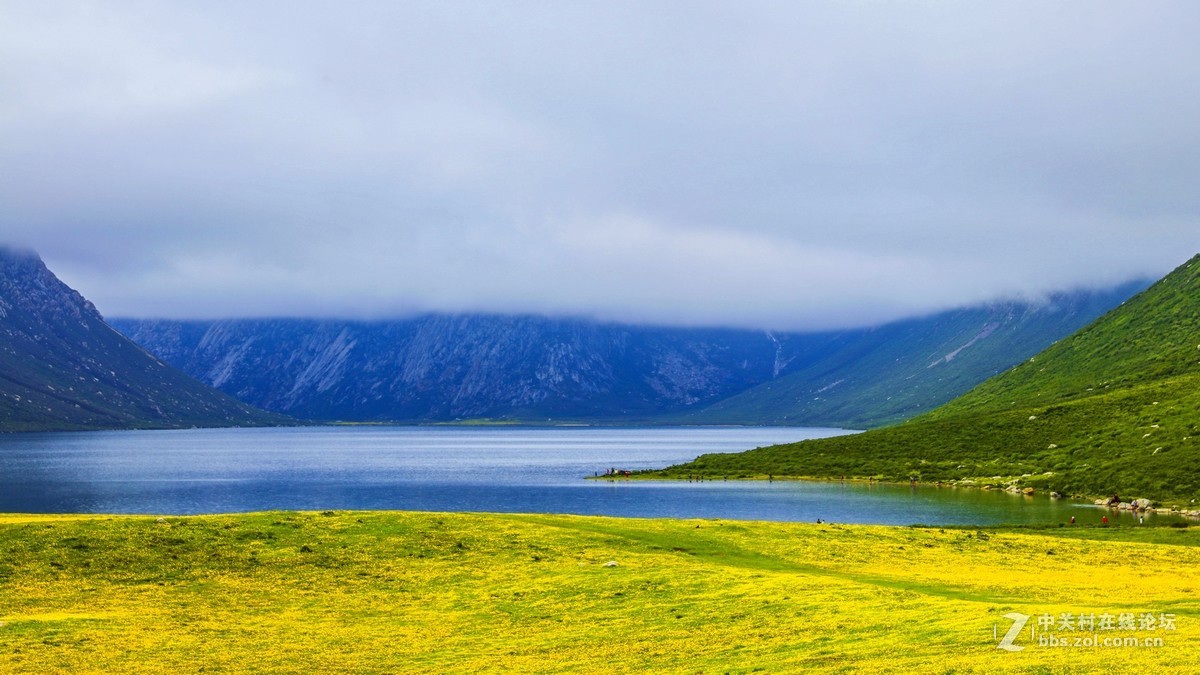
point(63, 367)
point(463, 367)
point(538, 369)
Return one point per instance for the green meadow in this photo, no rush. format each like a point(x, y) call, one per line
point(437, 592)
point(1113, 409)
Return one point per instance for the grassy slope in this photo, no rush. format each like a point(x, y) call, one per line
point(1113, 409)
point(385, 592)
point(905, 368)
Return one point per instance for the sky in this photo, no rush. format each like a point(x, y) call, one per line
point(780, 165)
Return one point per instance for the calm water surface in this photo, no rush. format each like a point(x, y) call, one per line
point(526, 470)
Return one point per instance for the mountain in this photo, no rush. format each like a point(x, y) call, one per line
point(528, 368)
point(63, 368)
point(449, 367)
point(894, 372)
point(1114, 409)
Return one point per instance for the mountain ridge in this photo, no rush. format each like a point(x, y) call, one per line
point(904, 368)
point(526, 368)
point(63, 368)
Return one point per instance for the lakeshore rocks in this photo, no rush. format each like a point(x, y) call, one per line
point(1143, 505)
point(1018, 490)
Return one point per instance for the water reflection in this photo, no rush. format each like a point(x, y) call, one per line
point(462, 469)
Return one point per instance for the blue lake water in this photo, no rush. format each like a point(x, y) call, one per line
point(497, 469)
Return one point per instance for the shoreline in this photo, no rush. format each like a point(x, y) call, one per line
point(166, 519)
point(1136, 505)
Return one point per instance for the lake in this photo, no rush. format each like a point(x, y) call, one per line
point(498, 469)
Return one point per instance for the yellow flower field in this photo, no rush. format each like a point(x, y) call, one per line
point(434, 592)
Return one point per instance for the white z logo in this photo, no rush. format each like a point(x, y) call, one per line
point(1019, 621)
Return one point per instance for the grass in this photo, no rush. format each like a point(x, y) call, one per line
point(1114, 409)
point(430, 592)
point(1136, 442)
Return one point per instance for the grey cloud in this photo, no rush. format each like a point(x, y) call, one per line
point(786, 165)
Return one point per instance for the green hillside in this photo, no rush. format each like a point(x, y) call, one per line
point(1114, 409)
point(1153, 337)
point(897, 371)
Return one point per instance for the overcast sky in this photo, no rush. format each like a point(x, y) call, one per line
point(791, 165)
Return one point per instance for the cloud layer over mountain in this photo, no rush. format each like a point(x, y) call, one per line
point(784, 165)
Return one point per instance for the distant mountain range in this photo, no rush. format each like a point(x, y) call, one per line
point(536, 369)
point(442, 368)
point(62, 367)
point(1112, 409)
